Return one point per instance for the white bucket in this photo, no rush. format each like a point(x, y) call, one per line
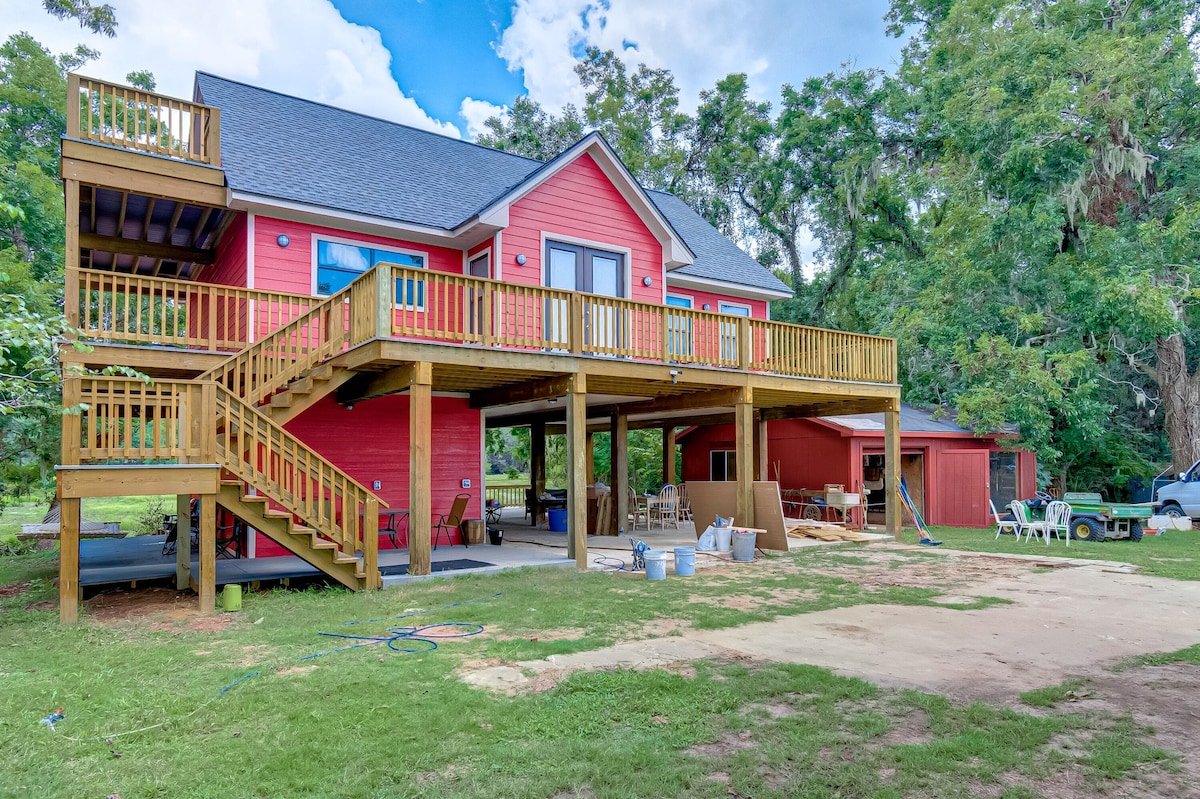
point(724, 538)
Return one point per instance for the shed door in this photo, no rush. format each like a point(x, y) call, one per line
point(963, 486)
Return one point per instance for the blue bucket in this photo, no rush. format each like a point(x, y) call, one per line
point(685, 561)
point(558, 520)
point(656, 564)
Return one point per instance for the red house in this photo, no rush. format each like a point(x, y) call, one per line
point(950, 471)
point(333, 308)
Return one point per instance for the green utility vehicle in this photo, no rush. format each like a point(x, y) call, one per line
point(1093, 519)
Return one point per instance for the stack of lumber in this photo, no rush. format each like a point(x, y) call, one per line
point(822, 531)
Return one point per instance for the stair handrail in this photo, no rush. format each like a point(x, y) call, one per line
point(262, 368)
point(247, 445)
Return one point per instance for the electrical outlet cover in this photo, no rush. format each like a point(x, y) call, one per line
point(466, 483)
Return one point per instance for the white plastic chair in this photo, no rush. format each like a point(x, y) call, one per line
point(1058, 520)
point(1024, 525)
point(1001, 524)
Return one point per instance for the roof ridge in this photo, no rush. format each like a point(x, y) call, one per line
point(365, 116)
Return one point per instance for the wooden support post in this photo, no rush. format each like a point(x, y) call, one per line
point(183, 541)
point(668, 454)
point(537, 466)
point(891, 468)
point(71, 287)
point(385, 304)
point(590, 445)
point(208, 553)
point(370, 544)
point(575, 332)
point(745, 350)
point(420, 469)
point(618, 448)
point(68, 561)
point(743, 423)
point(761, 471)
point(576, 469)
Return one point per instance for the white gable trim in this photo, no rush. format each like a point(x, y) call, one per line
point(674, 279)
point(675, 251)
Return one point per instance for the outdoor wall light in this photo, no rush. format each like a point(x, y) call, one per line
point(521, 258)
point(647, 281)
point(707, 307)
point(282, 240)
point(675, 373)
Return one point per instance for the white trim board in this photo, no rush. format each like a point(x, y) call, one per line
point(676, 280)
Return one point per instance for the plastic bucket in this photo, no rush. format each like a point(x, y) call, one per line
point(723, 538)
point(558, 520)
point(495, 537)
point(743, 545)
point(231, 597)
point(685, 561)
point(656, 564)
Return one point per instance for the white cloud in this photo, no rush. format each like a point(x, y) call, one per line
point(701, 41)
point(299, 47)
point(476, 112)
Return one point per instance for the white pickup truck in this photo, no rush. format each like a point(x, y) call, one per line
point(1182, 497)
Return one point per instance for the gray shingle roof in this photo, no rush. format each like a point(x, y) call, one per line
point(912, 420)
point(286, 148)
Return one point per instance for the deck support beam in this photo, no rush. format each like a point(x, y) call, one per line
point(743, 423)
point(577, 471)
point(208, 552)
point(68, 561)
point(760, 447)
point(183, 542)
point(891, 467)
point(537, 466)
point(618, 449)
point(420, 469)
point(668, 454)
point(591, 457)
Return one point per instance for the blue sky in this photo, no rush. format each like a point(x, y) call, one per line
point(446, 65)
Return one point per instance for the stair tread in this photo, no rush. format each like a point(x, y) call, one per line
point(254, 499)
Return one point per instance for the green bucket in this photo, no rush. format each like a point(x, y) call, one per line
point(231, 598)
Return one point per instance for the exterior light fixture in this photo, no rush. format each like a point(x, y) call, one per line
point(707, 307)
point(282, 240)
point(647, 281)
point(521, 258)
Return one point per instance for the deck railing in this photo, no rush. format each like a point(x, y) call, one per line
point(294, 332)
point(135, 119)
point(125, 419)
point(137, 309)
point(507, 496)
point(445, 307)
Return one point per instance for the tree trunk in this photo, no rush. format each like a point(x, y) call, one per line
point(1180, 394)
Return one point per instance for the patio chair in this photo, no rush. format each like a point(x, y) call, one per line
point(1058, 520)
point(171, 528)
point(1024, 525)
point(449, 522)
point(685, 504)
point(1002, 524)
point(667, 506)
point(638, 510)
point(530, 507)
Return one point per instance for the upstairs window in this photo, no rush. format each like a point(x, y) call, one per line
point(339, 264)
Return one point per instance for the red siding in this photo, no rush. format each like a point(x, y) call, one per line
point(580, 202)
point(811, 454)
point(370, 443)
point(230, 266)
point(758, 308)
point(291, 269)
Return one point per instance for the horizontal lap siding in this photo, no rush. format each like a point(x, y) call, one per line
point(370, 443)
point(291, 268)
point(581, 202)
point(230, 266)
point(758, 308)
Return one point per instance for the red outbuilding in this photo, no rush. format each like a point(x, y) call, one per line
point(950, 471)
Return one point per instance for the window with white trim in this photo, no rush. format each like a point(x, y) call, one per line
point(729, 329)
point(339, 264)
point(679, 326)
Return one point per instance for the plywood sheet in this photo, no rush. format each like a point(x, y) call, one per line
point(710, 499)
point(768, 515)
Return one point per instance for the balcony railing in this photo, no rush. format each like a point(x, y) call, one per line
point(440, 307)
point(134, 119)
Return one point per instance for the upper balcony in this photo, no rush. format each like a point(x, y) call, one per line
point(431, 307)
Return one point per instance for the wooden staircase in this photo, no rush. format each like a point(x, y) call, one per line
point(300, 395)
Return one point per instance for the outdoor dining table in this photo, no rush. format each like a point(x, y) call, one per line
point(397, 525)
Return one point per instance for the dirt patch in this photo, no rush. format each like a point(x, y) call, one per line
point(564, 634)
point(660, 627)
point(121, 604)
point(775, 710)
point(726, 744)
point(13, 589)
point(293, 671)
point(882, 569)
point(910, 729)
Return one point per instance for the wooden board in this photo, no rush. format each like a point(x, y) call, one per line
point(710, 499)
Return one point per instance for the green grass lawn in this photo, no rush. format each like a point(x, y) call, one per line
point(1175, 555)
point(125, 510)
point(370, 722)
